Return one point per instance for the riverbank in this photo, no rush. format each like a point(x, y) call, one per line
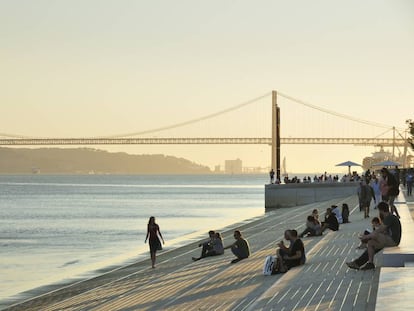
point(65, 227)
point(178, 283)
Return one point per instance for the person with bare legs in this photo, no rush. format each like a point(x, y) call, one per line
point(154, 235)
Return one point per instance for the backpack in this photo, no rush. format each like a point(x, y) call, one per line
point(268, 265)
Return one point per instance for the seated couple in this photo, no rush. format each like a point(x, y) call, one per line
point(212, 247)
point(315, 228)
point(289, 257)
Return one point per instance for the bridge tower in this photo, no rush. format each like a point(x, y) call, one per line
point(275, 136)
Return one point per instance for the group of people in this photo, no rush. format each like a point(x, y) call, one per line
point(385, 188)
point(333, 217)
point(386, 229)
point(307, 179)
point(287, 256)
point(386, 233)
point(212, 247)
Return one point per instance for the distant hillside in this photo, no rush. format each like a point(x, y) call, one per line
point(87, 160)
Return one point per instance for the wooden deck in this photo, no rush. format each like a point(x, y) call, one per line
point(178, 283)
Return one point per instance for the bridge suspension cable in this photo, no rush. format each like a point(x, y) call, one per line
point(233, 108)
point(388, 130)
point(14, 136)
point(215, 114)
point(341, 115)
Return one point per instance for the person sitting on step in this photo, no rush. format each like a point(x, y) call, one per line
point(375, 223)
point(210, 247)
point(292, 256)
point(331, 222)
point(388, 234)
point(313, 227)
point(240, 248)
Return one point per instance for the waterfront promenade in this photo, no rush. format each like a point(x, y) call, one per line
point(178, 283)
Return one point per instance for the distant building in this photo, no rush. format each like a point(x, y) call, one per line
point(233, 166)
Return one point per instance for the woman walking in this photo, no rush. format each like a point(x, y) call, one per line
point(153, 234)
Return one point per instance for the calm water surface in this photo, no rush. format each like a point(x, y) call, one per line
point(58, 227)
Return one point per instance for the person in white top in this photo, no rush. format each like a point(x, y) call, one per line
point(375, 185)
point(337, 213)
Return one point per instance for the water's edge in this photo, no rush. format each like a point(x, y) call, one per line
point(184, 242)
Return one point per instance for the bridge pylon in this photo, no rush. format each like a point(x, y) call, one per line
point(275, 162)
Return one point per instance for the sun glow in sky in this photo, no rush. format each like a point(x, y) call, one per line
point(99, 68)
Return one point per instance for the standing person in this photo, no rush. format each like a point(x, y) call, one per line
point(375, 185)
point(240, 248)
point(390, 190)
point(359, 192)
point(409, 181)
point(272, 176)
point(365, 194)
point(396, 174)
point(153, 234)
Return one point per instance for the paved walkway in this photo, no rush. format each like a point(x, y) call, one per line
point(178, 283)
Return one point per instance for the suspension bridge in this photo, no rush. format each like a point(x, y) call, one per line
point(378, 142)
point(274, 139)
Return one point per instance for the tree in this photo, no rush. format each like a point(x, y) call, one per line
point(411, 131)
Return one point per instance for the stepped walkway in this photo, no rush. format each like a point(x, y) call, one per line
point(396, 283)
point(178, 283)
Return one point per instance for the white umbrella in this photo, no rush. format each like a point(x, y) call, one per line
point(349, 164)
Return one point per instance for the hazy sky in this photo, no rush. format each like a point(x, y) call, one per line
point(96, 68)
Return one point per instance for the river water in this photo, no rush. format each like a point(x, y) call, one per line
point(57, 227)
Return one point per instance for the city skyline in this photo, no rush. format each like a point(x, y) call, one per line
point(99, 68)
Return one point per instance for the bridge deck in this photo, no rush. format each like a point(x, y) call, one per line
point(201, 141)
